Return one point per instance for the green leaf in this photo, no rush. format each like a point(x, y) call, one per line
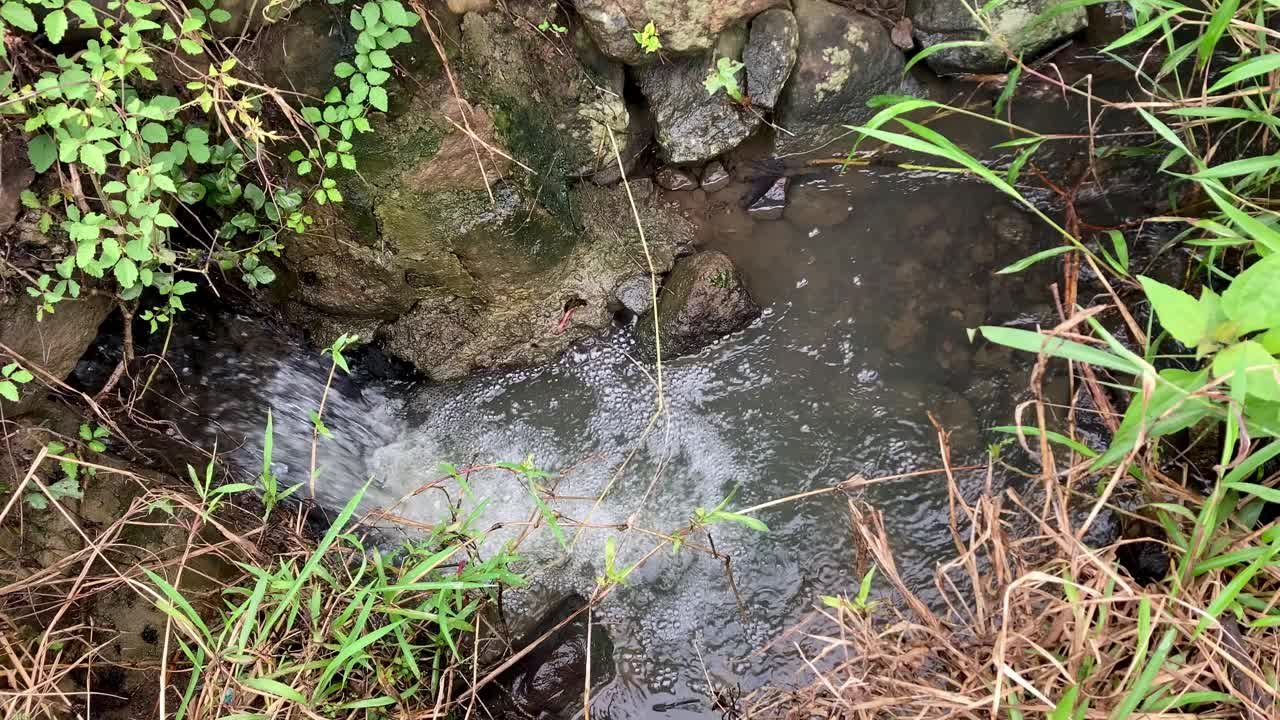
point(1182, 315)
point(55, 26)
point(155, 133)
point(1217, 24)
point(1033, 342)
point(1260, 369)
point(8, 391)
point(42, 151)
point(344, 70)
point(18, 14)
point(1252, 300)
point(126, 272)
point(219, 15)
point(377, 77)
point(93, 159)
point(378, 98)
point(1261, 65)
point(264, 275)
point(191, 192)
point(380, 58)
point(274, 688)
point(1236, 168)
point(1030, 260)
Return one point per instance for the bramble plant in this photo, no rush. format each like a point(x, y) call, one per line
point(12, 377)
point(648, 39)
point(138, 160)
point(725, 75)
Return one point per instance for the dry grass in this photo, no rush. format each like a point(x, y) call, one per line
point(1033, 622)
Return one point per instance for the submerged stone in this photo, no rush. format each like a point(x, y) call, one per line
point(769, 55)
point(844, 60)
point(939, 21)
point(671, 178)
point(703, 299)
point(772, 203)
point(715, 176)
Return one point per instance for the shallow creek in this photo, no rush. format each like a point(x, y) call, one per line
point(869, 282)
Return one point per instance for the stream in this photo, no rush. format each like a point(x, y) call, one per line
point(868, 285)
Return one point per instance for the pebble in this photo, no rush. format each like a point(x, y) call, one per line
point(673, 178)
point(714, 177)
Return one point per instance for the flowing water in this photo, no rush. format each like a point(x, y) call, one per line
point(868, 284)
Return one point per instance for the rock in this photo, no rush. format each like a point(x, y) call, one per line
point(938, 21)
point(691, 126)
point(635, 294)
point(684, 26)
point(702, 299)
point(16, 175)
point(672, 178)
point(844, 60)
point(462, 7)
point(772, 203)
point(456, 264)
point(1011, 226)
point(55, 343)
point(769, 55)
point(714, 176)
point(549, 681)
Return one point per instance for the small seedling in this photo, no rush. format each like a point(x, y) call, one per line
point(548, 26)
point(859, 604)
point(725, 75)
point(271, 495)
point(703, 517)
point(648, 39)
point(613, 575)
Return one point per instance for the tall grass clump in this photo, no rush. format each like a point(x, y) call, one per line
point(1047, 621)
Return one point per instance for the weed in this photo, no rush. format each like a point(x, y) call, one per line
point(725, 75)
point(648, 39)
point(549, 26)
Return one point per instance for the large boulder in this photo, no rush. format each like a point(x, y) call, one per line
point(694, 126)
point(684, 26)
point(457, 258)
point(939, 21)
point(53, 341)
point(702, 300)
point(845, 59)
point(770, 55)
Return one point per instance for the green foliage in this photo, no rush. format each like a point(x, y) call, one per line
point(549, 26)
point(12, 377)
point(725, 75)
point(861, 602)
point(269, 484)
point(703, 518)
point(140, 154)
point(382, 26)
point(614, 575)
point(377, 630)
point(648, 39)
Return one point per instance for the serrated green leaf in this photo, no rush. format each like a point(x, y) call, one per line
point(55, 26)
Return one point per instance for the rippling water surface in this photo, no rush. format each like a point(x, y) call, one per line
point(868, 285)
